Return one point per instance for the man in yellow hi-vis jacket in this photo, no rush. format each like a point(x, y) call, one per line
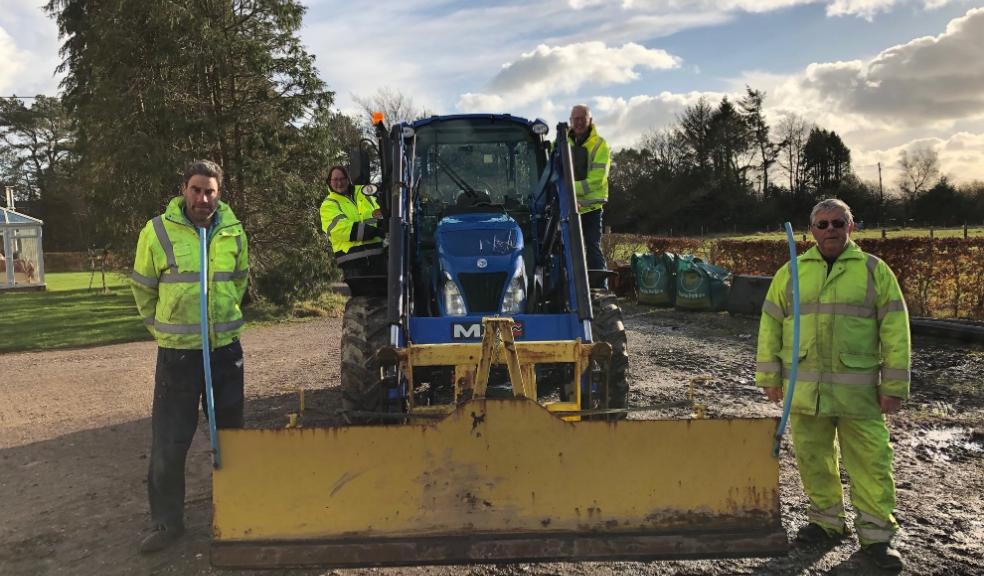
point(854, 360)
point(352, 222)
point(166, 288)
point(592, 188)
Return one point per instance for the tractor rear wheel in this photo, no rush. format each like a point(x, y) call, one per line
point(364, 331)
point(607, 327)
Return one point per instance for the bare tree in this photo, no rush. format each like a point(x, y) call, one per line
point(395, 106)
point(793, 132)
point(920, 167)
point(668, 150)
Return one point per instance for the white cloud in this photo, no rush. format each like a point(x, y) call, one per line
point(623, 122)
point(564, 69)
point(28, 50)
point(12, 62)
point(929, 79)
point(867, 9)
point(961, 158)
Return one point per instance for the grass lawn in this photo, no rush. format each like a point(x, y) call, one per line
point(70, 314)
point(972, 232)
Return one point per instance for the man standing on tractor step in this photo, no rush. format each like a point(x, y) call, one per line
point(592, 185)
point(167, 292)
point(854, 361)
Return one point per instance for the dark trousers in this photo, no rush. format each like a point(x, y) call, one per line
point(591, 226)
point(179, 388)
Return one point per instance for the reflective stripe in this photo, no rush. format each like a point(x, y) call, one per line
point(226, 326)
point(176, 328)
point(837, 309)
point(585, 190)
point(145, 280)
point(768, 367)
point(870, 296)
point(184, 277)
point(334, 222)
point(226, 276)
point(593, 202)
point(772, 309)
point(598, 166)
point(361, 254)
point(892, 306)
point(833, 516)
point(149, 320)
point(852, 378)
point(361, 233)
point(872, 535)
point(239, 248)
point(788, 309)
point(872, 519)
point(896, 374)
point(594, 150)
point(194, 328)
point(165, 242)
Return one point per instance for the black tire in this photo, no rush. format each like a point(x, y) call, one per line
point(364, 331)
point(607, 326)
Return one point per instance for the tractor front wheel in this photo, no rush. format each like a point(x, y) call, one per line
point(364, 331)
point(607, 326)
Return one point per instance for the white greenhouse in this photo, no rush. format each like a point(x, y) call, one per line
point(21, 257)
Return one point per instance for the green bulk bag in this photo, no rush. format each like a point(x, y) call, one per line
point(699, 285)
point(654, 278)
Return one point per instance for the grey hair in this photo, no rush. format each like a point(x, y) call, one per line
point(205, 168)
point(830, 204)
point(584, 107)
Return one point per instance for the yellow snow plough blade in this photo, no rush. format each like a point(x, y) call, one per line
point(496, 480)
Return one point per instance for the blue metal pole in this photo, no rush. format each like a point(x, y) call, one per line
point(794, 275)
point(206, 355)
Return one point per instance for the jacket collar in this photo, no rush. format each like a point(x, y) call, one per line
point(175, 213)
point(591, 134)
point(852, 252)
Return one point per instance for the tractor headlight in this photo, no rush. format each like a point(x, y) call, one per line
point(454, 303)
point(515, 299)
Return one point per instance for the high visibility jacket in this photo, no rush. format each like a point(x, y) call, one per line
point(592, 192)
point(350, 225)
point(165, 278)
point(854, 335)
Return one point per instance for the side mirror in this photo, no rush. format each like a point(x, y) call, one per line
point(370, 189)
point(359, 170)
point(579, 154)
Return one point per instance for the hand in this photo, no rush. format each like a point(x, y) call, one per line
point(773, 394)
point(889, 404)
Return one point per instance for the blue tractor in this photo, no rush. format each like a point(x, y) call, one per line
point(500, 377)
point(482, 223)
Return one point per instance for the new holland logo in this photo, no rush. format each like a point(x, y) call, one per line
point(474, 330)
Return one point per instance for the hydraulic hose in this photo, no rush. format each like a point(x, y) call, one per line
point(206, 355)
point(794, 275)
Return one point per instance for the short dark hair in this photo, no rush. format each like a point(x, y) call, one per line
point(338, 167)
point(202, 168)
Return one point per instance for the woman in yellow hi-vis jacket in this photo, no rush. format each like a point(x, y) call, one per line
point(352, 222)
point(854, 360)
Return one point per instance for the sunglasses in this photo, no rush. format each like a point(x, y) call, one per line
point(822, 224)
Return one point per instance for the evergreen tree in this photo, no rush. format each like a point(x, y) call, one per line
point(156, 85)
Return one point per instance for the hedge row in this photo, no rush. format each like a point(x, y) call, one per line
point(942, 277)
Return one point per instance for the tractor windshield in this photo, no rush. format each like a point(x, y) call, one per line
point(475, 162)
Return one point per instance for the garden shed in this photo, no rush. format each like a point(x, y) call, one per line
point(21, 256)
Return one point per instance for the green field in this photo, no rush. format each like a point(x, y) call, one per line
point(71, 314)
point(975, 232)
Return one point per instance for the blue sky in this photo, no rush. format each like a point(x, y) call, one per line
point(887, 75)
